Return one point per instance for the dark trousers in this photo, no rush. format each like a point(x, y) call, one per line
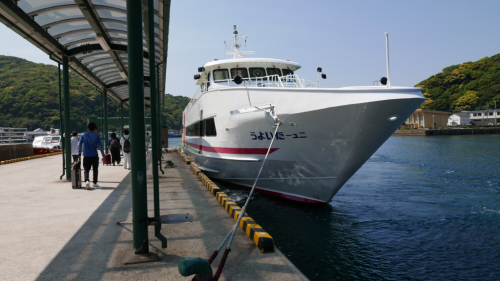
point(90, 162)
point(115, 155)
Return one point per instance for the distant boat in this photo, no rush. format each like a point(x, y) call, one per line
point(48, 143)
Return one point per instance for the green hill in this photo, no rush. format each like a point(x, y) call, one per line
point(29, 98)
point(470, 85)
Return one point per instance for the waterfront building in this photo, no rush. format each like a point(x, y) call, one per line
point(484, 117)
point(424, 118)
point(459, 119)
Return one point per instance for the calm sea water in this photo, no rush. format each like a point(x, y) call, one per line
point(422, 208)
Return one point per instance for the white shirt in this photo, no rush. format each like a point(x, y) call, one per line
point(74, 145)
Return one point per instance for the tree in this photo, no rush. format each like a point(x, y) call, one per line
point(467, 101)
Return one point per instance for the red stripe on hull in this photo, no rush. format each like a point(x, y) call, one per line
point(38, 150)
point(230, 150)
point(282, 195)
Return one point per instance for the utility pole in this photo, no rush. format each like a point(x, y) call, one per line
point(433, 122)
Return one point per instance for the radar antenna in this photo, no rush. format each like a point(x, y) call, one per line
point(236, 46)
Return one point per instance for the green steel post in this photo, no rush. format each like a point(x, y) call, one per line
point(121, 116)
point(102, 114)
point(61, 124)
point(137, 127)
point(105, 140)
point(67, 128)
point(159, 111)
point(154, 123)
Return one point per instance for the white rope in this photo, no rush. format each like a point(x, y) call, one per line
point(231, 234)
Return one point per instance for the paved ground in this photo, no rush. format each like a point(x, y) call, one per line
point(48, 231)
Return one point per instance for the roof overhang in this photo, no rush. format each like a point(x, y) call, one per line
point(89, 34)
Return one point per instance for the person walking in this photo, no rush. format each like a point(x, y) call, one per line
point(147, 142)
point(91, 141)
point(115, 146)
point(74, 145)
point(125, 143)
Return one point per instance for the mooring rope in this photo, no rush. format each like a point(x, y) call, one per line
point(232, 232)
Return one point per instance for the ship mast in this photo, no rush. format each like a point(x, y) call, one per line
point(237, 45)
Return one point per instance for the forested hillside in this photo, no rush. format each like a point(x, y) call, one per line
point(29, 98)
point(470, 85)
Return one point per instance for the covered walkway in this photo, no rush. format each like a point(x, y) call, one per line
point(121, 48)
point(57, 233)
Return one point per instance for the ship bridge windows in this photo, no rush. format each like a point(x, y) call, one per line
point(241, 72)
point(273, 71)
point(256, 72)
point(221, 74)
point(287, 71)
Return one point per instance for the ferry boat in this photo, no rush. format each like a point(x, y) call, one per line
point(325, 134)
point(47, 143)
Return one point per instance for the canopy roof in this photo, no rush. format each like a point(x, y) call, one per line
point(93, 34)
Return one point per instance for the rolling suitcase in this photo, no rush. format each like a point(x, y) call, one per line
point(107, 159)
point(76, 175)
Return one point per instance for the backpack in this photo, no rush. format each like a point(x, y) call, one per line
point(126, 145)
point(115, 143)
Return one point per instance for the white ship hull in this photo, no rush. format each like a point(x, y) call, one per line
point(327, 135)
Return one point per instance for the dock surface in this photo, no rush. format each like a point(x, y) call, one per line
point(50, 231)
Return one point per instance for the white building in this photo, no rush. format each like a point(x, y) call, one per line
point(484, 117)
point(459, 119)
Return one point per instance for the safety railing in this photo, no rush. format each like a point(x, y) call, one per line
point(270, 81)
point(13, 135)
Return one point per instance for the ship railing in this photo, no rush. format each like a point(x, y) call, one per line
point(270, 81)
point(13, 135)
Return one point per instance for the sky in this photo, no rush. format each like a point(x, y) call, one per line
point(345, 38)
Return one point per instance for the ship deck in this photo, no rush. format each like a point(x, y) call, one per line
point(53, 232)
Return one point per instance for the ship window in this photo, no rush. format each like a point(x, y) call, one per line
point(242, 72)
point(273, 71)
point(210, 127)
point(257, 72)
point(287, 71)
point(55, 139)
point(193, 129)
point(46, 139)
point(221, 74)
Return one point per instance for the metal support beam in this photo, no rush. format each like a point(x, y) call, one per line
point(154, 124)
point(61, 124)
point(102, 113)
point(121, 116)
point(158, 93)
point(67, 128)
point(105, 94)
point(137, 135)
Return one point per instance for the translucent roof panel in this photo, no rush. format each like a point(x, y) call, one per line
point(33, 5)
point(64, 27)
point(117, 26)
point(73, 44)
point(58, 15)
point(91, 56)
point(93, 65)
point(118, 35)
point(69, 27)
point(77, 36)
point(111, 3)
point(99, 68)
point(105, 14)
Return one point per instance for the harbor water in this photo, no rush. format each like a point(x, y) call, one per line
point(421, 208)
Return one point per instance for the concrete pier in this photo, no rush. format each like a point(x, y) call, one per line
point(50, 231)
